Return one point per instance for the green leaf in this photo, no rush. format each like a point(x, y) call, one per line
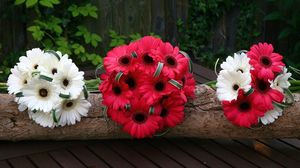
point(273, 16)
point(284, 33)
point(30, 3)
point(46, 3)
point(95, 38)
point(93, 14)
point(18, 2)
point(36, 32)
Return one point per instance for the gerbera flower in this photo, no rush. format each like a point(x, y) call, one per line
point(146, 58)
point(40, 95)
point(42, 118)
point(69, 80)
point(265, 61)
point(189, 83)
point(264, 94)
point(119, 116)
point(271, 116)
point(153, 89)
point(230, 82)
point(17, 80)
point(70, 111)
point(281, 82)
point(239, 62)
point(243, 111)
point(174, 62)
point(49, 65)
point(172, 112)
point(132, 80)
point(106, 82)
point(30, 63)
point(119, 59)
point(140, 123)
point(117, 96)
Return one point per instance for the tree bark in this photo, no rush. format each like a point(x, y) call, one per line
point(204, 119)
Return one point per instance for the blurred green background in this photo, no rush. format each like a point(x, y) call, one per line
point(206, 29)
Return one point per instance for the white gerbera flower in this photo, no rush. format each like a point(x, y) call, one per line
point(42, 118)
point(239, 62)
point(69, 80)
point(281, 82)
point(40, 95)
point(49, 65)
point(70, 111)
point(271, 116)
point(17, 80)
point(229, 83)
point(31, 62)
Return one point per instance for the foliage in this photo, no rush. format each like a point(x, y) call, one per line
point(195, 35)
point(286, 12)
point(59, 25)
point(117, 39)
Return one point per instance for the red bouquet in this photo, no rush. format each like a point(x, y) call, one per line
point(253, 86)
point(146, 85)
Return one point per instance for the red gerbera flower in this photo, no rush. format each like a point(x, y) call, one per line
point(172, 111)
point(106, 82)
point(153, 89)
point(117, 96)
point(119, 116)
point(244, 111)
point(119, 59)
point(265, 61)
point(189, 84)
point(145, 52)
point(133, 80)
point(139, 122)
point(174, 63)
point(264, 94)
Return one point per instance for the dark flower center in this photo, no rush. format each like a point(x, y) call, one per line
point(183, 81)
point(69, 104)
point(171, 61)
point(125, 60)
point(139, 118)
point(266, 61)
point(244, 106)
point(25, 81)
point(130, 82)
point(164, 112)
point(35, 66)
point(235, 87)
point(54, 71)
point(65, 82)
point(117, 90)
point(262, 85)
point(43, 92)
point(147, 59)
point(240, 70)
point(159, 86)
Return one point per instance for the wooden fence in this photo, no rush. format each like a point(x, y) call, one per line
point(123, 16)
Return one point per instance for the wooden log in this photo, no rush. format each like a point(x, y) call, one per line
point(204, 119)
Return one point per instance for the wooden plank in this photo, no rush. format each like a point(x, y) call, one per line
point(4, 164)
point(269, 152)
point(129, 154)
point(113, 159)
point(200, 79)
point(158, 17)
point(153, 154)
point(246, 153)
point(205, 72)
point(200, 154)
point(15, 149)
point(87, 157)
point(21, 162)
point(227, 156)
point(283, 148)
point(170, 16)
point(43, 160)
point(66, 159)
point(175, 153)
point(293, 142)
